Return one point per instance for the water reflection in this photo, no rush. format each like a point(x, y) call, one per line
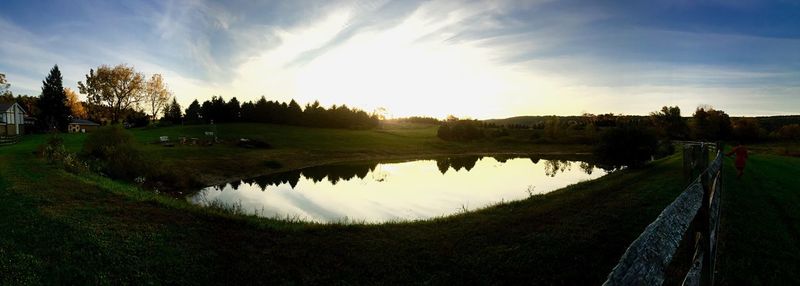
point(378, 192)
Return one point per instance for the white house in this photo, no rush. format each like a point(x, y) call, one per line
point(12, 119)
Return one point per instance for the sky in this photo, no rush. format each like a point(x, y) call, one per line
point(478, 59)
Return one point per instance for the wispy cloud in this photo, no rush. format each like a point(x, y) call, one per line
point(471, 58)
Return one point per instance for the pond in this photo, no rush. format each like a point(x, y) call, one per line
point(374, 192)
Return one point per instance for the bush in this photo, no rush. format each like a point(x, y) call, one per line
point(460, 130)
point(112, 151)
point(55, 153)
point(628, 145)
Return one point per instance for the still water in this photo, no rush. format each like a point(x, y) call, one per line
point(379, 192)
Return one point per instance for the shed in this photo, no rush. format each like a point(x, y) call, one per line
point(82, 126)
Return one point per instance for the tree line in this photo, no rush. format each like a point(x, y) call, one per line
point(267, 111)
point(120, 94)
point(114, 94)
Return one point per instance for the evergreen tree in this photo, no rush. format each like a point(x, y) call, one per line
point(234, 110)
point(173, 112)
point(54, 112)
point(295, 113)
point(193, 112)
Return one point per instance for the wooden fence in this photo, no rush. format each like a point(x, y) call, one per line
point(8, 140)
point(694, 215)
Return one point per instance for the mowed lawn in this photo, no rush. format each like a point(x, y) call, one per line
point(760, 235)
point(59, 227)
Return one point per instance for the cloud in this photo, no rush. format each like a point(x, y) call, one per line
point(470, 58)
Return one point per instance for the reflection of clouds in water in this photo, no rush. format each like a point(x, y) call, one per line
point(417, 190)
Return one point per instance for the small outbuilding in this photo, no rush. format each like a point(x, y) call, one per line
point(82, 126)
point(12, 119)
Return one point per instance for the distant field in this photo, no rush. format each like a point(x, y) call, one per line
point(296, 147)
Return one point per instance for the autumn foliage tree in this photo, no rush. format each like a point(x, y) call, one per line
point(156, 95)
point(74, 103)
point(119, 89)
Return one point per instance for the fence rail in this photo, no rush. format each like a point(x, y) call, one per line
point(694, 213)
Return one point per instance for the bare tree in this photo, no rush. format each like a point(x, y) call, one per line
point(118, 88)
point(156, 95)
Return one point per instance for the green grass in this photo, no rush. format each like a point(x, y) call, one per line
point(297, 147)
point(760, 235)
point(57, 227)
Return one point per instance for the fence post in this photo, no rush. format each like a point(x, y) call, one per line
point(694, 162)
point(706, 180)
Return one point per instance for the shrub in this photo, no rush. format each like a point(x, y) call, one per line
point(55, 153)
point(112, 151)
point(460, 130)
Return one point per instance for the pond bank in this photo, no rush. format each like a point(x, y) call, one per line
point(125, 235)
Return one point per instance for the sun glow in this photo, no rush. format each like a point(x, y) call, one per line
point(409, 69)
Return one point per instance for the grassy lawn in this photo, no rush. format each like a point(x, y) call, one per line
point(297, 147)
point(58, 227)
point(760, 235)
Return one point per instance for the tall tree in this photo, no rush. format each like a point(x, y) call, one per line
point(670, 123)
point(711, 124)
point(54, 112)
point(193, 112)
point(295, 113)
point(173, 112)
point(156, 95)
point(234, 110)
point(119, 88)
point(74, 103)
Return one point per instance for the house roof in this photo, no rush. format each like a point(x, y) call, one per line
point(5, 106)
point(83, 122)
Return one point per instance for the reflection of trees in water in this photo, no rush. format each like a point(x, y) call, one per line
point(333, 173)
point(457, 163)
point(552, 167)
point(502, 159)
point(346, 172)
point(587, 168)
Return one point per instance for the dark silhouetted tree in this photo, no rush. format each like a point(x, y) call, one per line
point(629, 145)
point(193, 112)
point(233, 110)
point(173, 112)
point(670, 123)
point(53, 110)
point(711, 124)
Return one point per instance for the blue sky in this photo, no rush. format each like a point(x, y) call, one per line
point(481, 59)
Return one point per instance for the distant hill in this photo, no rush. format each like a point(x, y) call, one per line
point(770, 123)
point(529, 120)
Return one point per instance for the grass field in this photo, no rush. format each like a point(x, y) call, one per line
point(296, 147)
point(59, 227)
point(760, 235)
